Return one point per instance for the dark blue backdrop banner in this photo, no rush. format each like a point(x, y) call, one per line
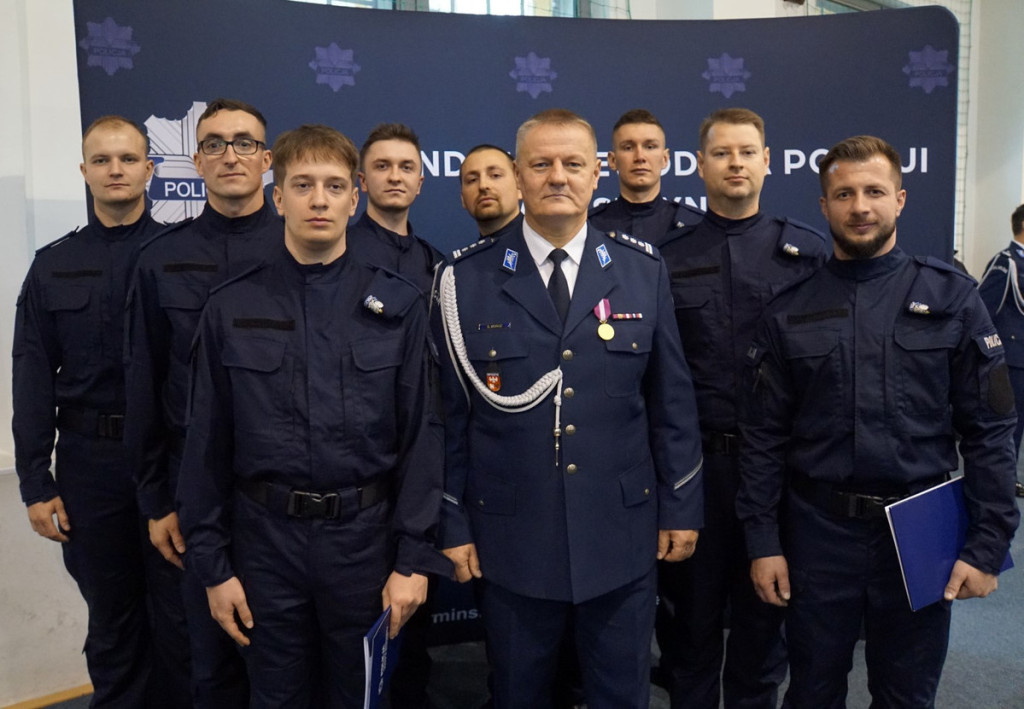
point(459, 80)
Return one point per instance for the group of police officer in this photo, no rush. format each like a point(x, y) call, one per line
point(636, 416)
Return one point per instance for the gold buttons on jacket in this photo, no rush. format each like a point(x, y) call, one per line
point(571, 468)
point(567, 355)
point(570, 430)
point(568, 392)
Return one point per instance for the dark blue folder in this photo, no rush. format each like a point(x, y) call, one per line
point(930, 529)
point(378, 665)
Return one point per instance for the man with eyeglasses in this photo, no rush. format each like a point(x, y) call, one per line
point(175, 273)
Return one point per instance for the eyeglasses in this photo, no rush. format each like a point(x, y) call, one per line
point(241, 146)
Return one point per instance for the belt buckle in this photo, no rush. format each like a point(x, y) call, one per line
point(866, 506)
point(313, 505)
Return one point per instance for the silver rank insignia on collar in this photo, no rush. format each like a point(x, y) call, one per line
point(790, 250)
point(373, 304)
point(918, 308)
point(511, 259)
point(602, 256)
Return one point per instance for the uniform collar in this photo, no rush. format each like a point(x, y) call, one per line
point(215, 223)
point(866, 269)
point(540, 248)
point(733, 226)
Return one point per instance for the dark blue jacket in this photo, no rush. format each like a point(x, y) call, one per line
point(577, 524)
point(298, 381)
point(1001, 290)
point(861, 377)
point(175, 273)
point(723, 274)
point(410, 255)
point(68, 335)
point(649, 221)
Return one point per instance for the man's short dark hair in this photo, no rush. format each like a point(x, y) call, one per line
point(316, 142)
point(637, 115)
point(388, 131)
point(859, 148)
point(481, 148)
point(114, 121)
point(228, 104)
point(735, 116)
point(1017, 220)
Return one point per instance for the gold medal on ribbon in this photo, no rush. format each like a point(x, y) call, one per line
point(602, 310)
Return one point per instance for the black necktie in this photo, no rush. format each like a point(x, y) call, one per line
point(558, 287)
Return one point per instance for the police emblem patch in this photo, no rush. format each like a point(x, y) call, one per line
point(511, 259)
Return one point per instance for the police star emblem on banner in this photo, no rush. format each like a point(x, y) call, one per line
point(928, 68)
point(109, 46)
point(533, 74)
point(334, 66)
point(726, 75)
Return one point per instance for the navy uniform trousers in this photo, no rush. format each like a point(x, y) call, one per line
point(175, 273)
point(67, 357)
point(724, 272)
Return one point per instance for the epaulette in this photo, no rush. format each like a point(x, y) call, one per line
point(390, 294)
point(169, 229)
point(476, 246)
point(61, 240)
point(943, 266)
point(627, 240)
point(799, 239)
point(687, 216)
point(238, 277)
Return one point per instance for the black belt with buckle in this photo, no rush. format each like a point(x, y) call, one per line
point(855, 505)
point(334, 504)
point(90, 422)
point(719, 443)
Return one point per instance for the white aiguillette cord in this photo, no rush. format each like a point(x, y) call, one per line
point(550, 382)
point(1012, 284)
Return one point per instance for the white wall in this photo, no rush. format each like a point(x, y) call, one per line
point(995, 168)
point(42, 618)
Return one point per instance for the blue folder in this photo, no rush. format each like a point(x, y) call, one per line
point(930, 529)
point(378, 666)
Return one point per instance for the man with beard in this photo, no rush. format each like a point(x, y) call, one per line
point(488, 190)
point(639, 155)
point(861, 378)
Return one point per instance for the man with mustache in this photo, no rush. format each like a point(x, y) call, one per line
point(860, 379)
point(488, 190)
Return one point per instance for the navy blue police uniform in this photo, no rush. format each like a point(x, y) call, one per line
point(568, 531)
point(649, 221)
point(310, 472)
point(861, 378)
point(1001, 290)
point(175, 273)
point(723, 274)
point(409, 255)
point(69, 377)
point(414, 258)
